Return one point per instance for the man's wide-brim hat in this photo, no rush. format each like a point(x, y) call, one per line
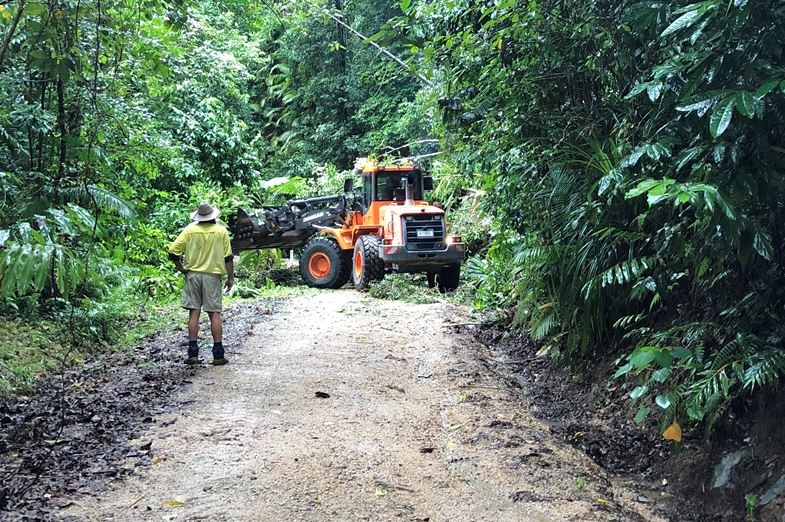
point(205, 212)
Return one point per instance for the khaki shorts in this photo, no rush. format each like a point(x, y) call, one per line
point(202, 291)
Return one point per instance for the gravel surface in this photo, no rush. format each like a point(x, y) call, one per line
point(343, 407)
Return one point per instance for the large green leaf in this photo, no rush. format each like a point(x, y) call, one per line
point(641, 357)
point(701, 102)
point(767, 87)
point(762, 244)
point(661, 375)
point(641, 414)
point(639, 391)
point(721, 116)
point(745, 104)
point(693, 13)
point(663, 401)
point(685, 20)
point(654, 187)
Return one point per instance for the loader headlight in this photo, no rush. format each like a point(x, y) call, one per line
point(452, 239)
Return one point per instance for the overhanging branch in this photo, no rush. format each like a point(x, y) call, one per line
point(381, 49)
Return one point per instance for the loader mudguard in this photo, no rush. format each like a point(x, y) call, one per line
point(347, 237)
point(339, 236)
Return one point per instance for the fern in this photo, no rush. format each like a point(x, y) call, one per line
point(476, 269)
point(47, 258)
point(624, 273)
point(766, 369)
point(26, 268)
point(738, 349)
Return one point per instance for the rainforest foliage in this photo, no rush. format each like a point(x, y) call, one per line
point(617, 167)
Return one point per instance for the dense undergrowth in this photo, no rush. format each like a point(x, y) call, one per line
point(119, 118)
point(616, 168)
point(630, 154)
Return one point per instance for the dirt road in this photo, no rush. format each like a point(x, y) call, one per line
point(341, 407)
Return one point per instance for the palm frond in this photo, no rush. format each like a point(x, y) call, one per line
point(103, 198)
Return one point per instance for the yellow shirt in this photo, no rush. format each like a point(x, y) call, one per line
point(204, 247)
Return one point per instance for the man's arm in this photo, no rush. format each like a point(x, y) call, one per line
point(177, 249)
point(178, 262)
point(228, 259)
point(229, 263)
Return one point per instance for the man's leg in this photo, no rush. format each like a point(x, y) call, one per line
point(193, 303)
point(193, 335)
point(193, 324)
point(217, 329)
point(216, 326)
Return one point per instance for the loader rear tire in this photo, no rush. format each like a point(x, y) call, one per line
point(323, 263)
point(367, 266)
point(445, 280)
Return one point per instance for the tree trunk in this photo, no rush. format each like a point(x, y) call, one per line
point(342, 110)
point(11, 31)
point(61, 124)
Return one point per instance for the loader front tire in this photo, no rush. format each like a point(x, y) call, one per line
point(446, 279)
point(323, 264)
point(367, 265)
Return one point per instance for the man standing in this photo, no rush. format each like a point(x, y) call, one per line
point(203, 253)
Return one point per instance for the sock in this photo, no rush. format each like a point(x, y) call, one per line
point(218, 350)
point(193, 349)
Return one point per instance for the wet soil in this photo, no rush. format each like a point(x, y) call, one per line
point(337, 406)
point(581, 408)
point(72, 436)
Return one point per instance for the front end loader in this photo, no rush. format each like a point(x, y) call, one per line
point(386, 226)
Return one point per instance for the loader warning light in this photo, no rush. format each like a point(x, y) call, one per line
point(390, 250)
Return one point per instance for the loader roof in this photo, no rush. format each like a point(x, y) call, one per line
point(373, 167)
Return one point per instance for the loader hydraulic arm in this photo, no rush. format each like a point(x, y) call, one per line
point(285, 226)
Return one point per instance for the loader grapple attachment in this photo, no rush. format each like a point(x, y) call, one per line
point(287, 226)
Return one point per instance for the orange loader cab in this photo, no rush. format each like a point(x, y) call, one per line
point(388, 228)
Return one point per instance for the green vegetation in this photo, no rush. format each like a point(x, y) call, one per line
point(631, 162)
point(616, 168)
point(411, 288)
point(119, 117)
point(750, 506)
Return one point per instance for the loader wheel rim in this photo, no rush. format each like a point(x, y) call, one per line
point(319, 265)
point(358, 264)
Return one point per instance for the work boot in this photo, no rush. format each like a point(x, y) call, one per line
point(218, 354)
point(193, 353)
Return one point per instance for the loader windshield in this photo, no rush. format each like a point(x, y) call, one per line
point(391, 185)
